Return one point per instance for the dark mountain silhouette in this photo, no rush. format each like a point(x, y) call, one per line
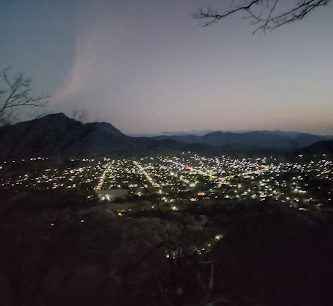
point(57, 135)
point(321, 147)
point(256, 139)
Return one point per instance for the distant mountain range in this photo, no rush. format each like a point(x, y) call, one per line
point(257, 139)
point(58, 135)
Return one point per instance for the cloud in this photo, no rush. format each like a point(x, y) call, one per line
point(83, 69)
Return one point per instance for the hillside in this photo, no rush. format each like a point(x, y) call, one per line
point(321, 147)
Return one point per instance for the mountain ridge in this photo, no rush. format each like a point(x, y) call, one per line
point(59, 135)
point(257, 139)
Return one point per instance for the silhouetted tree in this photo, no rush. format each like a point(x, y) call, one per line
point(264, 14)
point(79, 115)
point(15, 95)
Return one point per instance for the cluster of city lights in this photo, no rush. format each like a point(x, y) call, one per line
point(175, 181)
point(188, 177)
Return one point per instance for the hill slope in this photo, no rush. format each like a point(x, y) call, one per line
point(321, 147)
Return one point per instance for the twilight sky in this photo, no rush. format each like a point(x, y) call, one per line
point(146, 66)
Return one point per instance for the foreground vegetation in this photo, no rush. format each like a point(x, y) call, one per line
point(57, 248)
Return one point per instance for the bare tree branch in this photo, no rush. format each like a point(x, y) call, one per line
point(265, 15)
point(17, 95)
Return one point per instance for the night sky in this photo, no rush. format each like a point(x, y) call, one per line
point(147, 66)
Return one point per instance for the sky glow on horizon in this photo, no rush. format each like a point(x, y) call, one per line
point(147, 66)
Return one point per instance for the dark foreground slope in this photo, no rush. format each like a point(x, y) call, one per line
point(58, 249)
